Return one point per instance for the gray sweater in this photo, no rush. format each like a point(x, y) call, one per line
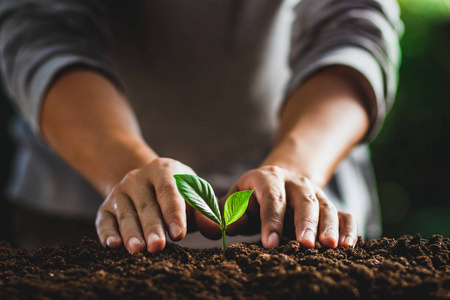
point(206, 79)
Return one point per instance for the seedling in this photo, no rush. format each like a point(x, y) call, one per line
point(200, 195)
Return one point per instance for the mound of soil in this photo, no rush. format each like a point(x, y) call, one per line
point(404, 268)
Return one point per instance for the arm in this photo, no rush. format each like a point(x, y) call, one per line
point(319, 125)
point(321, 122)
point(344, 60)
point(90, 124)
point(84, 108)
point(55, 70)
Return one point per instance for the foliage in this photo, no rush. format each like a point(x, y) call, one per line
point(200, 195)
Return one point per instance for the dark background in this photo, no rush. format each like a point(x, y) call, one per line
point(6, 156)
point(411, 153)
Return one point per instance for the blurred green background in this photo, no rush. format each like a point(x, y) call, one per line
point(411, 155)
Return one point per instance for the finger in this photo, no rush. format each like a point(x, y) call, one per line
point(271, 197)
point(149, 214)
point(172, 205)
point(348, 230)
point(303, 201)
point(129, 225)
point(328, 222)
point(107, 230)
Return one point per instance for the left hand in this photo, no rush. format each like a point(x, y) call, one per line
point(279, 191)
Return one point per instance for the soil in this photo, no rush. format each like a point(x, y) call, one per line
point(403, 268)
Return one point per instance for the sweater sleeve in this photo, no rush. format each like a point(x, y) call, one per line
point(363, 35)
point(41, 38)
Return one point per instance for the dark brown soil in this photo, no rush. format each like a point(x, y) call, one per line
point(403, 268)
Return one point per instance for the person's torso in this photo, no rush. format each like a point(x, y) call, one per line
point(205, 78)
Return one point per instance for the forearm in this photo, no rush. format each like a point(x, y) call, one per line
point(321, 122)
point(87, 121)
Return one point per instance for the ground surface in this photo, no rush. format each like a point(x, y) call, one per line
point(404, 268)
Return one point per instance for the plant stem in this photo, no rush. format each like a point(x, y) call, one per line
point(224, 244)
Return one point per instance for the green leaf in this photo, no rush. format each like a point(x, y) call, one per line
point(200, 195)
point(235, 206)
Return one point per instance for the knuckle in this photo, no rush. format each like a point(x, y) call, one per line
point(116, 192)
point(309, 223)
point(162, 162)
point(132, 174)
point(143, 206)
point(157, 161)
point(172, 211)
point(273, 173)
point(122, 216)
point(166, 190)
point(274, 194)
point(272, 169)
point(116, 207)
point(130, 178)
point(302, 180)
point(345, 216)
point(102, 208)
point(327, 205)
point(321, 194)
point(108, 205)
point(310, 199)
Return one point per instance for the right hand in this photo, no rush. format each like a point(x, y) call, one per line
point(140, 208)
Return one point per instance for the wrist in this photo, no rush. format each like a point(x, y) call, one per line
point(128, 154)
point(90, 124)
point(320, 123)
point(300, 158)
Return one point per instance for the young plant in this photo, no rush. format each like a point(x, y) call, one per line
point(200, 195)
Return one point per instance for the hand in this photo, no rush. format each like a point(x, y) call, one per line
point(140, 208)
point(278, 191)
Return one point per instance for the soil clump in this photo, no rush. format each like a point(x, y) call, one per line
point(404, 268)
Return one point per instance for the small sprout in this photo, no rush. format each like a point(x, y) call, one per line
point(200, 195)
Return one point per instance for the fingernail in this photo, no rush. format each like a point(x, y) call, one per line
point(152, 237)
point(349, 241)
point(133, 242)
point(310, 236)
point(111, 240)
point(175, 229)
point(329, 233)
point(273, 240)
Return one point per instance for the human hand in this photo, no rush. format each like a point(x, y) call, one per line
point(140, 208)
point(279, 191)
